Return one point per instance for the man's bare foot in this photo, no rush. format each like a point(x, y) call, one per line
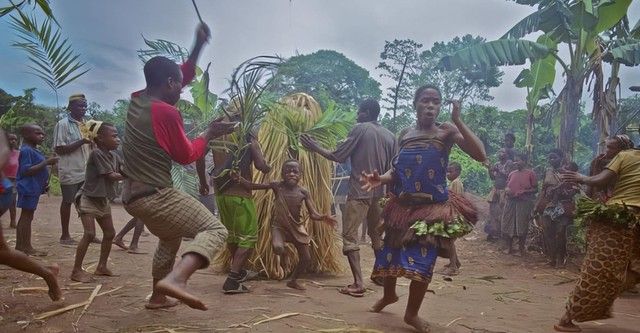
point(177, 290)
point(279, 269)
point(103, 271)
point(81, 276)
point(52, 282)
point(382, 303)
point(35, 253)
point(295, 285)
point(119, 243)
point(417, 323)
point(166, 303)
point(450, 271)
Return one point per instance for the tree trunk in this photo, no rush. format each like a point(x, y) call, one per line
point(570, 110)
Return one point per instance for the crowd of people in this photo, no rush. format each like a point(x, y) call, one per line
point(405, 189)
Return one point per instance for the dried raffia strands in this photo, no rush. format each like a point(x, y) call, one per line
point(278, 137)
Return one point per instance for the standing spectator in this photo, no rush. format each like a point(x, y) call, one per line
point(498, 173)
point(520, 192)
point(10, 171)
point(369, 147)
point(74, 151)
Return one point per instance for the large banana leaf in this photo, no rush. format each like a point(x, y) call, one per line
point(540, 77)
point(610, 13)
point(526, 26)
point(496, 53)
point(626, 52)
point(50, 55)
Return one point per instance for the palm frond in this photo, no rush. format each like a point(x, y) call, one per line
point(51, 56)
point(42, 4)
point(185, 180)
point(161, 47)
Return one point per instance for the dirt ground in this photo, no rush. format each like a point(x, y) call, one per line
point(493, 293)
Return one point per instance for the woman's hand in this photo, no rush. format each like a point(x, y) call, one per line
point(456, 110)
point(572, 177)
point(370, 180)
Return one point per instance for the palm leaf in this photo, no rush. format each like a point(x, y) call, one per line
point(42, 4)
point(161, 47)
point(185, 180)
point(495, 53)
point(51, 56)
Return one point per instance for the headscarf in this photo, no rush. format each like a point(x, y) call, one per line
point(89, 129)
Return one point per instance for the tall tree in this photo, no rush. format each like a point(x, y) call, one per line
point(400, 60)
point(325, 75)
point(574, 24)
point(466, 84)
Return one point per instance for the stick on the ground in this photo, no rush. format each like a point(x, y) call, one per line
point(284, 315)
point(56, 312)
point(89, 301)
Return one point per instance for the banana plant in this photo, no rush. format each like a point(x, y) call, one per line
point(574, 24)
point(538, 80)
point(50, 55)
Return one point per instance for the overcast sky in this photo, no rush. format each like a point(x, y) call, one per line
point(108, 33)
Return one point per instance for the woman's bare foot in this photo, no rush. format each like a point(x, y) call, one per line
point(135, 250)
point(175, 289)
point(119, 243)
point(52, 282)
point(81, 276)
point(103, 271)
point(566, 325)
point(295, 285)
point(162, 303)
point(417, 323)
point(382, 303)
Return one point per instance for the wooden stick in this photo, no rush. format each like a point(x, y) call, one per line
point(284, 315)
point(89, 301)
point(56, 312)
point(197, 11)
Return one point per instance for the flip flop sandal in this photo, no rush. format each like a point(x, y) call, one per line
point(351, 292)
point(240, 290)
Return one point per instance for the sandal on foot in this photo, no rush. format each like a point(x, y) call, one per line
point(247, 275)
point(348, 290)
point(241, 289)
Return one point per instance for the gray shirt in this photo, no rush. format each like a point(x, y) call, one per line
point(100, 164)
point(370, 147)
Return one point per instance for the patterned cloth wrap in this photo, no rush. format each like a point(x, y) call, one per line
point(422, 172)
point(420, 196)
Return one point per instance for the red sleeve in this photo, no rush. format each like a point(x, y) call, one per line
point(169, 132)
point(188, 72)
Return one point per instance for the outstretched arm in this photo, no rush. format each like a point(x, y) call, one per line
point(604, 178)
point(313, 213)
point(374, 179)
point(465, 138)
point(235, 176)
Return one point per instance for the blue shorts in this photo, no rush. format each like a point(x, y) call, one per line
point(28, 201)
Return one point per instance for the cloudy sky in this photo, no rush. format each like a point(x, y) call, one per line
point(108, 33)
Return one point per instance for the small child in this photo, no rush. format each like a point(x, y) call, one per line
point(17, 259)
point(92, 201)
point(286, 225)
point(31, 181)
point(455, 186)
point(520, 193)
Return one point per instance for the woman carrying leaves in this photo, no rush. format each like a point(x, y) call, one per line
point(613, 240)
point(422, 217)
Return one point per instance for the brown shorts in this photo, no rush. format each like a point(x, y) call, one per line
point(356, 212)
point(98, 207)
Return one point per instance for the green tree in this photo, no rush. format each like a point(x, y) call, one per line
point(466, 84)
point(25, 111)
point(577, 25)
point(325, 75)
point(400, 60)
point(6, 101)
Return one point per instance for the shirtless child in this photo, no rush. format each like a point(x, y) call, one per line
point(286, 225)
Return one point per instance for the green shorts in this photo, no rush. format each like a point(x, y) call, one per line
point(238, 215)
